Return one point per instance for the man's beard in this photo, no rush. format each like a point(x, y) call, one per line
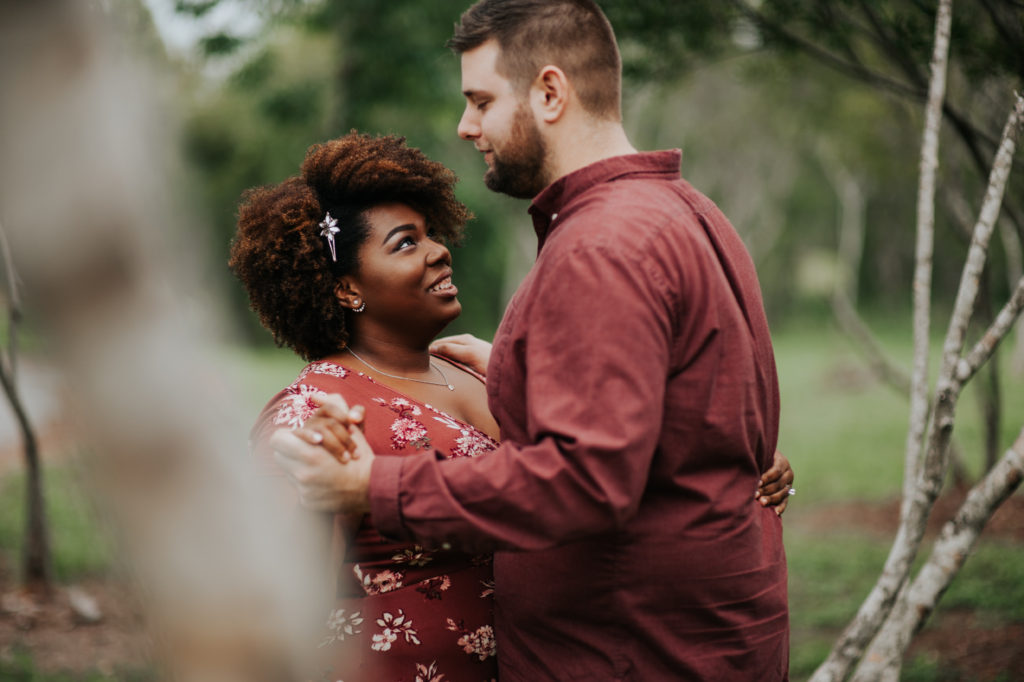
point(519, 171)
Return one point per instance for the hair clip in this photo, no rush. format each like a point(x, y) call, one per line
point(329, 228)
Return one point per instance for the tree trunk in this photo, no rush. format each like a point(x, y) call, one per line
point(37, 559)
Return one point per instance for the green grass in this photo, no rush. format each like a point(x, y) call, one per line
point(845, 432)
point(80, 548)
point(19, 666)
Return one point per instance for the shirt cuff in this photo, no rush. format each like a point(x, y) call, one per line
point(385, 505)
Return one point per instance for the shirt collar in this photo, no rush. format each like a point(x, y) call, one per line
point(558, 195)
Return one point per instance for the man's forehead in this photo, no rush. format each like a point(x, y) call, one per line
point(480, 63)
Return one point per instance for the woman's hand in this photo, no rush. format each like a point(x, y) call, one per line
point(332, 427)
point(775, 486)
point(465, 348)
point(323, 482)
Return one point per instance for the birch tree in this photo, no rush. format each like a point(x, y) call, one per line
point(897, 606)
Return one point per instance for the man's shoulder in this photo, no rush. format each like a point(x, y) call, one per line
point(633, 214)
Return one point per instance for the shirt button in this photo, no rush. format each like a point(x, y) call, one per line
point(553, 216)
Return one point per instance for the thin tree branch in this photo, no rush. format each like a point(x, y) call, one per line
point(968, 366)
point(850, 646)
point(852, 69)
point(9, 353)
point(881, 364)
point(977, 254)
point(894, 48)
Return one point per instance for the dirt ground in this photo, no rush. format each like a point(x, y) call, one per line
point(59, 640)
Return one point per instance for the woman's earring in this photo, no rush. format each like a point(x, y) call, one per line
point(361, 308)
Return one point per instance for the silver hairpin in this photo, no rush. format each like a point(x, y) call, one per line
point(329, 228)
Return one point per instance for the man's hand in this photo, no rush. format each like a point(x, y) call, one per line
point(465, 348)
point(775, 486)
point(323, 482)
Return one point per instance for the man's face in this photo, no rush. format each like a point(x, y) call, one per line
point(500, 124)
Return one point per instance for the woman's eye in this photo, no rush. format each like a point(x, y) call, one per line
point(404, 242)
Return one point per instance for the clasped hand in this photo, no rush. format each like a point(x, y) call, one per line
point(328, 459)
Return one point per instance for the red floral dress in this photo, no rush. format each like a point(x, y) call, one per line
point(402, 613)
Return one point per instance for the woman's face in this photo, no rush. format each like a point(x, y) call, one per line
point(404, 276)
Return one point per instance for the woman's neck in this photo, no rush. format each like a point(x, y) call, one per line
point(391, 356)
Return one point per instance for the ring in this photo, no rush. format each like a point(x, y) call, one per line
point(792, 491)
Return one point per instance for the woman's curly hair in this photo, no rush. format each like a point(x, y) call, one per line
point(284, 263)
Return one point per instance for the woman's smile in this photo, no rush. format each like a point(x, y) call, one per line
point(444, 287)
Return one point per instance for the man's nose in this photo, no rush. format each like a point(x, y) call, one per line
point(469, 126)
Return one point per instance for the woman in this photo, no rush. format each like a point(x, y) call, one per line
point(343, 265)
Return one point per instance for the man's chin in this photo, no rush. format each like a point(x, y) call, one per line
point(497, 183)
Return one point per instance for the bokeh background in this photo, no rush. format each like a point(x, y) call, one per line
point(802, 120)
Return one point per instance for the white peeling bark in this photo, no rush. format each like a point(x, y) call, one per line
point(851, 644)
point(987, 344)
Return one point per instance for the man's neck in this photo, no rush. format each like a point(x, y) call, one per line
point(577, 146)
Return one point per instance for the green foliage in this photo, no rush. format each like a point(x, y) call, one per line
point(220, 44)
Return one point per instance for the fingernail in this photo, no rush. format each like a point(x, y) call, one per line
point(317, 437)
point(764, 501)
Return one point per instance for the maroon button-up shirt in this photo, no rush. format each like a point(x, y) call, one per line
point(634, 383)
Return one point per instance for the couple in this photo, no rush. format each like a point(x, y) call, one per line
point(613, 533)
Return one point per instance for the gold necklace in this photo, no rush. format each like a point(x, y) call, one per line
point(395, 376)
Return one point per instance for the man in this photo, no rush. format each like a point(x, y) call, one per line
point(632, 377)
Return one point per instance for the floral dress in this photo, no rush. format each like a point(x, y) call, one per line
point(402, 613)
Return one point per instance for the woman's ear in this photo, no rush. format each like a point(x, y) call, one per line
point(348, 295)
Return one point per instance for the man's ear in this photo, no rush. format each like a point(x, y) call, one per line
point(550, 93)
point(348, 295)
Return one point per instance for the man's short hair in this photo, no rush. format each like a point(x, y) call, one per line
point(573, 35)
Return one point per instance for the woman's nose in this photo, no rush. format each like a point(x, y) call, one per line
point(439, 253)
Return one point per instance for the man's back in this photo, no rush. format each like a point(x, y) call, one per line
point(637, 347)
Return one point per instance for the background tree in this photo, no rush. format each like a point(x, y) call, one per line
point(37, 557)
